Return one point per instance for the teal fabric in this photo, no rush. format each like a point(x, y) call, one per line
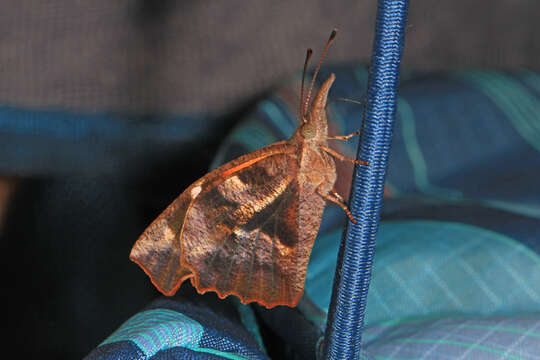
point(159, 329)
point(187, 326)
point(426, 267)
point(502, 337)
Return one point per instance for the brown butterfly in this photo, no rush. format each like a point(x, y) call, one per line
point(247, 227)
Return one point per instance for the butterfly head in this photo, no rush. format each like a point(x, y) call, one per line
point(315, 126)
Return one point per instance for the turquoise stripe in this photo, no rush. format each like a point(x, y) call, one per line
point(146, 330)
point(525, 121)
point(393, 335)
point(522, 281)
point(412, 147)
point(65, 124)
point(252, 136)
point(401, 283)
point(424, 267)
point(530, 78)
point(414, 152)
point(479, 280)
point(395, 358)
point(250, 322)
point(443, 286)
point(448, 256)
point(502, 329)
point(224, 354)
point(378, 298)
point(520, 107)
point(162, 329)
point(522, 209)
point(438, 317)
point(486, 327)
point(460, 344)
point(277, 117)
point(515, 245)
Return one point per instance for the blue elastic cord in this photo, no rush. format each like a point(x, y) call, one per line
point(347, 307)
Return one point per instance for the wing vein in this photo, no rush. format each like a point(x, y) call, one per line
point(250, 278)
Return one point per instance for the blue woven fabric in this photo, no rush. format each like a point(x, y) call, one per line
point(353, 271)
point(183, 327)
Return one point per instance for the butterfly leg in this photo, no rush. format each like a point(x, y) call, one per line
point(338, 200)
point(345, 137)
point(343, 158)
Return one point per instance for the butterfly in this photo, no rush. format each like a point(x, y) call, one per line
point(247, 228)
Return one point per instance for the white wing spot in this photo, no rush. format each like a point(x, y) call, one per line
point(195, 192)
point(168, 233)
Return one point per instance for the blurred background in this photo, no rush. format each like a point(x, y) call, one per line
point(108, 110)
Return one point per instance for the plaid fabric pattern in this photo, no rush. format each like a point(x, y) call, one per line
point(184, 327)
point(427, 267)
point(515, 337)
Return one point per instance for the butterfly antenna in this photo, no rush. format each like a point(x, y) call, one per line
point(330, 40)
point(301, 112)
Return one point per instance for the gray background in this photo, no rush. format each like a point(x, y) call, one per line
point(208, 56)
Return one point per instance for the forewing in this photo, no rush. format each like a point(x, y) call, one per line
point(157, 251)
point(242, 235)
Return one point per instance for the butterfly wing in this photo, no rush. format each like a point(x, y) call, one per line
point(244, 235)
point(158, 249)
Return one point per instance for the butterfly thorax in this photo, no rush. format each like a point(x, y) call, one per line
point(315, 124)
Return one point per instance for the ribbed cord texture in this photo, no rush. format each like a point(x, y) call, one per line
point(346, 315)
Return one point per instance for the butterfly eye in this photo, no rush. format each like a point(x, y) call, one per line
point(308, 130)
